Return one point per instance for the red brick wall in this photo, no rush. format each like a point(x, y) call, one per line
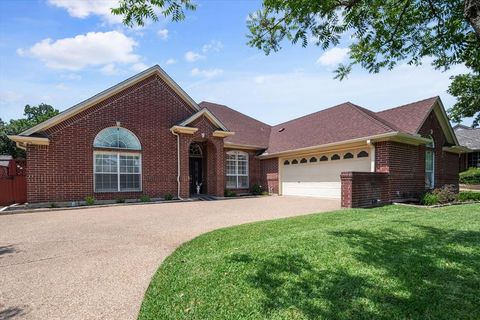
point(269, 174)
point(404, 166)
point(364, 189)
point(63, 171)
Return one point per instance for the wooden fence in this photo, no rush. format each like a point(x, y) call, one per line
point(13, 183)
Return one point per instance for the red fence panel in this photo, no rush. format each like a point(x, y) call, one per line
point(13, 184)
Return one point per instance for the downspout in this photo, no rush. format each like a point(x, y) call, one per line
point(178, 164)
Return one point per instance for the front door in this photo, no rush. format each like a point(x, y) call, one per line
point(196, 175)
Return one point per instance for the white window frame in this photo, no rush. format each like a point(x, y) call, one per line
point(118, 154)
point(236, 174)
point(430, 149)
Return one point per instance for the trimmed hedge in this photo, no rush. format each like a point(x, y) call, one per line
point(469, 196)
point(471, 176)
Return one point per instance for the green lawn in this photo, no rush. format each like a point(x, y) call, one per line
point(385, 263)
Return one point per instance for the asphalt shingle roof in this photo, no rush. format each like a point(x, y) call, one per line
point(343, 122)
point(468, 137)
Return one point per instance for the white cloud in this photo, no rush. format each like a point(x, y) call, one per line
point(61, 86)
point(84, 8)
point(91, 49)
point(208, 73)
point(110, 69)
point(139, 67)
point(191, 56)
point(212, 46)
point(163, 34)
point(333, 56)
point(72, 76)
point(170, 61)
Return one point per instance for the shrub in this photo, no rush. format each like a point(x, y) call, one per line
point(430, 199)
point(90, 200)
point(446, 194)
point(469, 196)
point(229, 193)
point(257, 189)
point(168, 197)
point(145, 198)
point(53, 205)
point(120, 200)
point(471, 176)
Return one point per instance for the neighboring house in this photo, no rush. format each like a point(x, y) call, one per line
point(470, 138)
point(147, 136)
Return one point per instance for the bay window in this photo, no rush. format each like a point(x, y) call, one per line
point(237, 170)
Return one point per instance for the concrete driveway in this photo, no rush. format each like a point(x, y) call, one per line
point(97, 263)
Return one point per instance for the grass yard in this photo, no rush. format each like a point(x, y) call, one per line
point(385, 263)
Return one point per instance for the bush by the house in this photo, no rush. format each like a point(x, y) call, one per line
point(466, 196)
point(120, 200)
point(445, 194)
point(90, 200)
point(145, 198)
point(430, 199)
point(168, 197)
point(229, 193)
point(471, 176)
point(257, 189)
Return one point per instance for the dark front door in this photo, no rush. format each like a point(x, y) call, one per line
point(196, 175)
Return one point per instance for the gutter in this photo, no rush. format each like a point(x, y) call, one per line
point(178, 162)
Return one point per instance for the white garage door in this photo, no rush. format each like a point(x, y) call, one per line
point(319, 176)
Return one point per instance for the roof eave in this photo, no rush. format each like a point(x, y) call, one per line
point(389, 136)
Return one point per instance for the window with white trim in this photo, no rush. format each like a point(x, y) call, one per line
point(237, 170)
point(117, 171)
point(430, 165)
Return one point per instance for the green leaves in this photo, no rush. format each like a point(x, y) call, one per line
point(136, 12)
point(33, 116)
point(466, 88)
point(381, 34)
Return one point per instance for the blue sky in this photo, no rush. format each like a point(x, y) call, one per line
point(64, 51)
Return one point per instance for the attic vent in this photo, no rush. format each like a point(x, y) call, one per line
point(281, 129)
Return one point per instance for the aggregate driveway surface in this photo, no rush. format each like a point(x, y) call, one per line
point(97, 263)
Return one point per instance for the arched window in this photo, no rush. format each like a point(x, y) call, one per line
point(303, 160)
point(117, 171)
point(195, 151)
point(286, 162)
point(430, 164)
point(335, 157)
point(362, 154)
point(237, 170)
point(117, 138)
point(294, 161)
point(313, 159)
point(324, 158)
point(348, 155)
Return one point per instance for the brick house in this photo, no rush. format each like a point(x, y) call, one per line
point(470, 138)
point(146, 136)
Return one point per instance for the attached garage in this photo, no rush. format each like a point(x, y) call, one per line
point(319, 175)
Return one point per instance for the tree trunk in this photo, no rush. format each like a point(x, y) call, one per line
point(472, 13)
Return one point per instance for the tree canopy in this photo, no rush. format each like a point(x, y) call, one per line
point(33, 116)
point(379, 34)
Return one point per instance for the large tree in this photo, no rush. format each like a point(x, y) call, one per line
point(379, 33)
point(33, 116)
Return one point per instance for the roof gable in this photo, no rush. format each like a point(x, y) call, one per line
point(207, 114)
point(72, 111)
